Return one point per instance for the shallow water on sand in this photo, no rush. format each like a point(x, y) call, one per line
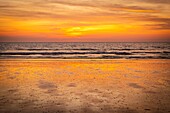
point(84, 86)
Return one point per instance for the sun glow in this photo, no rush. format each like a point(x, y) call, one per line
point(69, 19)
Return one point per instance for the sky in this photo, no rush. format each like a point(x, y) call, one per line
point(85, 20)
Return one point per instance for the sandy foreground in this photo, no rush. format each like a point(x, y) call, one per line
point(84, 86)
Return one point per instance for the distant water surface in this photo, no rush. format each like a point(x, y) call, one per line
point(85, 50)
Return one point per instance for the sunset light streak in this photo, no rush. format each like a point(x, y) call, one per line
point(84, 20)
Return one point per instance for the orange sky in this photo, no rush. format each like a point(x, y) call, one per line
point(85, 20)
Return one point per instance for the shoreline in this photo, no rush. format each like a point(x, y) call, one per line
point(55, 59)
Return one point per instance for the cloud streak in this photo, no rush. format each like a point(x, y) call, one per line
point(157, 1)
point(83, 17)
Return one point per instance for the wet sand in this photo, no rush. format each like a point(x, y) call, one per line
point(84, 86)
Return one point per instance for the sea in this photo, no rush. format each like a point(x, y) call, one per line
point(85, 50)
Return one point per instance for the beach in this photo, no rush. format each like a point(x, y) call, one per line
point(84, 86)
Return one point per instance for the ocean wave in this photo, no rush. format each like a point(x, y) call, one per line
point(85, 50)
point(61, 53)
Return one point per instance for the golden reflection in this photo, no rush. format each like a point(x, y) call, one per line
point(71, 83)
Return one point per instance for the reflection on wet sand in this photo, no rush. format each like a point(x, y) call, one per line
point(84, 86)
